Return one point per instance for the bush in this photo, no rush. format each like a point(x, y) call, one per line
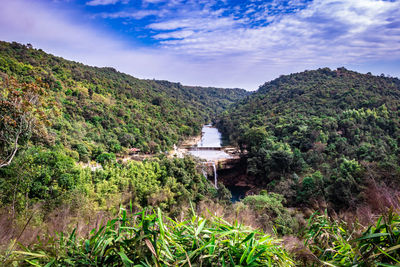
point(271, 212)
point(105, 157)
point(83, 151)
point(38, 174)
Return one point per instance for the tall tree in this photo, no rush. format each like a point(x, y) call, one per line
point(21, 114)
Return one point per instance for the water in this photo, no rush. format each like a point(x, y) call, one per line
point(210, 149)
point(238, 192)
point(209, 155)
point(215, 175)
point(211, 138)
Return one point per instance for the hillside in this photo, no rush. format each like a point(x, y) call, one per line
point(324, 145)
point(322, 135)
point(56, 114)
point(91, 110)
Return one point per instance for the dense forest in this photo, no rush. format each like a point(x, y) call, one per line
point(320, 150)
point(92, 110)
point(322, 137)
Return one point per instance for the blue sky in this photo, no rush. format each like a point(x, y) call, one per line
point(224, 43)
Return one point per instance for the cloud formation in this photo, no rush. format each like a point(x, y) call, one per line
point(219, 43)
point(105, 2)
point(135, 14)
point(333, 30)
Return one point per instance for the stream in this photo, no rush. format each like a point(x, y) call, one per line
point(210, 149)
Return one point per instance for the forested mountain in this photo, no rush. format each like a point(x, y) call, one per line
point(56, 114)
point(91, 110)
point(312, 138)
point(325, 135)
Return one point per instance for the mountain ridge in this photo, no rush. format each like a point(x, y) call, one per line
point(106, 109)
point(304, 131)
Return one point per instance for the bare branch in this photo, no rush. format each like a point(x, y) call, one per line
point(12, 155)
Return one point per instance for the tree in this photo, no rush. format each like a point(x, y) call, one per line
point(21, 114)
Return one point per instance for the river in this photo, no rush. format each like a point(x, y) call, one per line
point(208, 147)
point(210, 137)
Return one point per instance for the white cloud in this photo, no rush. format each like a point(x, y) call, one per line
point(175, 35)
point(135, 14)
point(203, 24)
point(333, 30)
point(105, 2)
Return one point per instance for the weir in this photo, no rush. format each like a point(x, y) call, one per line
point(196, 148)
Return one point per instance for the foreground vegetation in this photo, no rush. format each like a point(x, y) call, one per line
point(151, 239)
point(49, 178)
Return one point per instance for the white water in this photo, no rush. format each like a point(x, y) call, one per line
point(210, 138)
point(215, 175)
point(209, 155)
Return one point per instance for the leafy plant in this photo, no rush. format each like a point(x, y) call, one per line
point(334, 242)
point(150, 239)
point(380, 244)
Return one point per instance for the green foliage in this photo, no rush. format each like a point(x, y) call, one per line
point(270, 201)
point(380, 244)
point(311, 187)
point(329, 240)
point(334, 243)
point(150, 239)
point(38, 175)
point(22, 114)
point(103, 107)
point(105, 157)
point(271, 212)
point(83, 151)
point(322, 120)
point(51, 177)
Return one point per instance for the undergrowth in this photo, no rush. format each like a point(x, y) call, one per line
point(152, 239)
point(335, 244)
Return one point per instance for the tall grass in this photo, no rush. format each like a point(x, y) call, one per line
point(335, 244)
point(151, 239)
point(330, 240)
point(380, 244)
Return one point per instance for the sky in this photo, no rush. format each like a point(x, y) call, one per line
point(221, 43)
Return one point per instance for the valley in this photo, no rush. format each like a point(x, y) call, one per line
point(106, 169)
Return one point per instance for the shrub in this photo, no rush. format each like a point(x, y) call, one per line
point(271, 212)
point(105, 157)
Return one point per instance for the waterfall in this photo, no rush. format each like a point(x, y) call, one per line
point(215, 175)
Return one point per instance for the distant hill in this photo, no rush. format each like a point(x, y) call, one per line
point(101, 109)
point(329, 128)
